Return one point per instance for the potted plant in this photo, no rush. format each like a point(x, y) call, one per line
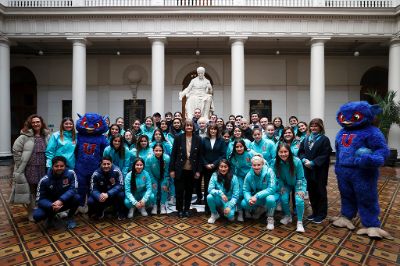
point(390, 115)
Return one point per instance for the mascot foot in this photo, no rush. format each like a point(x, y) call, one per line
point(374, 232)
point(342, 222)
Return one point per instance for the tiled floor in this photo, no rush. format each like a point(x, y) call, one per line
point(166, 240)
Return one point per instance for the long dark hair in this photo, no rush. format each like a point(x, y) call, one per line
point(227, 179)
point(28, 124)
point(121, 149)
point(133, 173)
point(234, 152)
point(162, 135)
point(161, 159)
point(174, 131)
point(109, 131)
point(282, 137)
point(65, 119)
point(278, 159)
point(138, 146)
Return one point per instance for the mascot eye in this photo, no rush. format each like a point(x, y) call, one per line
point(85, 124)
point(357, 117)
point(341, 118)
point(98, 124)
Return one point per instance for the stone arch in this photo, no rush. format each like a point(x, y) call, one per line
point(374, 79)
point(23, 88)
point(185, 70)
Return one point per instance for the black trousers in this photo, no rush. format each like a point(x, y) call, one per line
point(318, 197)
point(183, 190)
point(207, 176)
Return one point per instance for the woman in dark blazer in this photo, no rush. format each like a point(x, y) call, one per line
point(214, 150)
point(314, 152)
point(185, 166)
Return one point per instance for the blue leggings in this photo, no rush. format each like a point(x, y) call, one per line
point(215, 202)
point(285, 198)
point(269, 203)
point(158, 188)
point(149, 202)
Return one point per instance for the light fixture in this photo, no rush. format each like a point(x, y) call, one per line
point(356, 52)
point(40, 52)
point(118, 53)
point(197, 52)
point(277, 52)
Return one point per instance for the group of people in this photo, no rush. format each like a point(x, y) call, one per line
point(248, 168)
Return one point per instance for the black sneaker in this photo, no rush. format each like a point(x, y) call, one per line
point(310, 217)
point(318, 220)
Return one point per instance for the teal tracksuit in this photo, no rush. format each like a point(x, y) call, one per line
point(230, 146)
point(147, 131)
point(264, 187)
point(216, 190)
point(58, 147)
point(143, 191)
point(266, 148)
point(166, 146)
point(145, 153)
point(158, 180)
point(289, 182)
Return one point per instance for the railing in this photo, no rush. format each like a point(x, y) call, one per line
point(202, 3)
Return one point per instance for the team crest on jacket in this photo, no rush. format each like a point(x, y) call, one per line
point(65, 182)
point(248, 159)
point(112, 181)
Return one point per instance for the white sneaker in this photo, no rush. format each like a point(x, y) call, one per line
point(306, 197)
point(257, 214)
point(247, 214)
point(63, 214)
point(270, 223)
point(172, 200)
point(240, 216)
point(83, 209)
point(131, 212)
point(279, 207)
point(300, 227)
point(154, 210)
point(213, 218)
point(143, 212)
point(163, 209)
point(286, 219)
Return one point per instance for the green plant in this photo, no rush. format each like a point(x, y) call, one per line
point(390, 110)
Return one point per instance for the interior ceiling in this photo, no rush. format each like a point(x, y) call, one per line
point(206, 46)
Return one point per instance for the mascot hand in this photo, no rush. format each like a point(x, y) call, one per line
point(365, 158)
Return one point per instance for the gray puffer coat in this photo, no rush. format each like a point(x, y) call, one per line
point(22, 151)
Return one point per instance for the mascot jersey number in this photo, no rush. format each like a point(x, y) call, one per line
point(89, 149)
point(360, 149)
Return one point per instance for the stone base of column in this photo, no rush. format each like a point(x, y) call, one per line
point(6, 160)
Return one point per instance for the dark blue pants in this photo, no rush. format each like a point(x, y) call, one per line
point(96, 207)
point(41, 213)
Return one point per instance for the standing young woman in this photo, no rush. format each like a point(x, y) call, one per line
point(158, 137)
point(120, 122)
point(278, 125)
point(62, 143)
point(185, 166)
point(176, 129)
point(157, 165)
point(214, 150)
point(114, 130)
point(129, 140)
point(30, 161)
point(148, 127)
point(263, 146)
point(237, 135)
point(143, 147)
point(289, 138)
point(119, 154)
point(136, 131)
point(315, 153)
point(138, 189)
point(223, 192)
point(302, 131)
point(230, 126)
point(164, 128)
point(240, 160)
point(289, 171)
point(270, 133)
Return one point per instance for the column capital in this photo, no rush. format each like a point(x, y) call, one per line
point(319, 39)
point(395, 40)
point(5, 40)
point(241, 39)
point(79, 40)
point(153, 39)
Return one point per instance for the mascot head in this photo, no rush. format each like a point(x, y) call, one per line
point(357, 114)
point(91, 124)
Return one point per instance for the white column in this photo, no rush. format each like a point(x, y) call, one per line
point(5, 107)
point(394, 85)
point(157, 74)
point(78, 77)
point(317, 78)
point(238, 82)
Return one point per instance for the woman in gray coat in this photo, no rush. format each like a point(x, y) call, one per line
point(30, 161)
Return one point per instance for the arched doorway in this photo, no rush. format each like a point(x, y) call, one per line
point(23, 88)
point(375, 79)
point(186, 82)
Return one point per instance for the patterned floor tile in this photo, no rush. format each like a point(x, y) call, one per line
point(85, 260)
point(251, 232)
point(291, 246)
point(167, 231)
point(268, 260)
point(68, 243)
point(75, 252)
point(121, 260)
point(303, 261)
point(323, 246)
point(180, 238)
point(227, 246)
point(300, 239)
point(99, 244)
point(330, 239)
point(11, 250)
point(131, 245)
point(210, 239)
point(158, 261)
point(181, 226)
point(372, 261)
point(6, 242)
point(223, 232)
point(90, 237)
point(163, 245)
point(177, 254)
point(212, 255)
point(240, 239)
point(382, 254)
point(155, 226)
point(108, 253)
point(349, 254)
point(195, 261)
point(195, 246)
point(247, 255)
point(112, 230)
point(270, 239)
point(150, 238)
point(232, 261)
point(138, 232)
point(259, 246)
point(42, 251)
point(342, 261)
point(356, 246)
point(143, 254)
point(316, 255)
point(195, 232)
point(49, 260)
point(15, 259)
point(388, 246)
point(281, 254)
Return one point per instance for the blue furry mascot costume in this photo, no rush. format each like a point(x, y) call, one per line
point(360, 150)
point(89, 150)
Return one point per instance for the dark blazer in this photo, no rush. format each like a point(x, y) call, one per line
point(178, 154)
point(320, 155)
point(215, 154)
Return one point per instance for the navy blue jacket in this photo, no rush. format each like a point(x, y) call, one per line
point(215, 154)
point(111, 182)
point(52, 188)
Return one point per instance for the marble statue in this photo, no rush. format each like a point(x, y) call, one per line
point(198, 95)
